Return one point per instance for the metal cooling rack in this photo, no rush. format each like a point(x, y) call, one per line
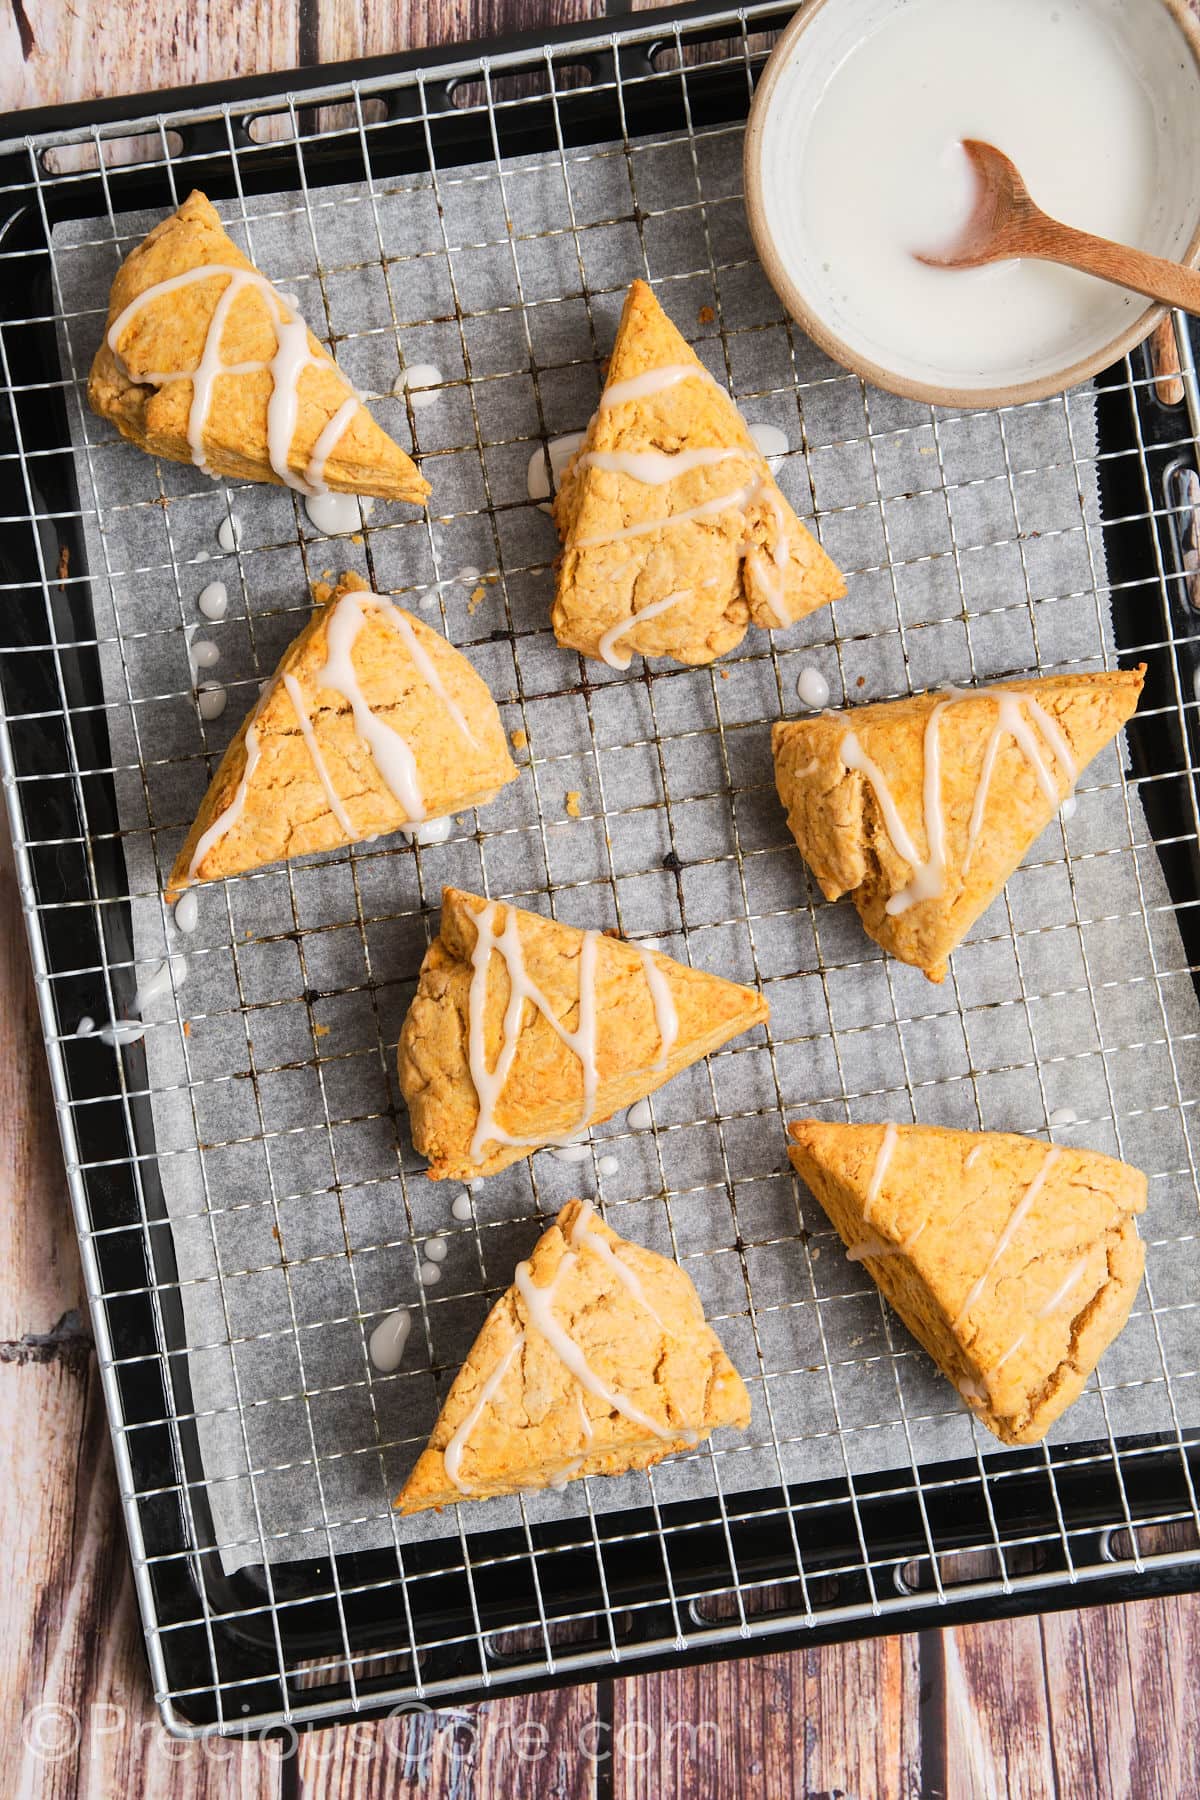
point(334, 1634)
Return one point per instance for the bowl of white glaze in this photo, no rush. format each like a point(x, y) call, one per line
point(853, 161)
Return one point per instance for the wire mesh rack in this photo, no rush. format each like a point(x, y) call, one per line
point(676, 838)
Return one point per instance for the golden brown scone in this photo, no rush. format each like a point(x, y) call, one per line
point(722, 565)
point(643, 1019)
point(169, 333)
point(993, 792)
point(1014, 1262)
point(597, 1360)
point(433, 703)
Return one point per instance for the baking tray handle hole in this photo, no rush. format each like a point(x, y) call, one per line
point(766, 1600)
point(524, 84)
point(588, 1632)
point(1164, 1537)
point(963, 1568)
point(319, 1674)
point(284, 126)
point(118, 151)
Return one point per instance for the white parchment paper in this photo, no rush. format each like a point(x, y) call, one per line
point(297, 1205)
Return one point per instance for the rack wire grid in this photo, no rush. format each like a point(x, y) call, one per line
point(250, 1640)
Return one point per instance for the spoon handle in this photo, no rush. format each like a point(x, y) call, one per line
point(1137, 269)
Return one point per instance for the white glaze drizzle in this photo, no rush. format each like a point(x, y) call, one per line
point(164, 979)
point(187, 913)
point(883, 1157)
point(294, 694)
point(873, 1247)
point(928, 878)
point(608, 643)
point(393, 756)
point(1069, 1282)
point(1016, 1219)
point(581, 1235)
point(425, 664)
point(539, 1304)
point(1012, 722)
point(737, 498)
point(214, 601)
point(211, 700)
point(654, 381)
point(666, 1018)
point(386, 1343)
point(489, 1084)
point(812, 689)
point(326, 444)
point(453, 1455)
point(558, 451)
point(656, 467)
point(639, 1117)
point(292, 356)
point(973, 1156)
point(226, 820)
point(773, 575)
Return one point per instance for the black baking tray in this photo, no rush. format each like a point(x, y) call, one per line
point(219, 1636)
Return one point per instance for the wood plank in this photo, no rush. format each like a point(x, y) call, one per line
point(844, 1717)
point(41, 1288)
point(996, 1720)
point(349, 31)
point(530, 1747)
point(52, 50)
point(75, 1704)
point(1122, 1696)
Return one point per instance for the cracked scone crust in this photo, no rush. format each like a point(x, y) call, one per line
point(543, 1095)
point(647, 1342)
point(169, 334)
point(721, 564)
point(286, 810)
point(841, 829)
point(1014, 1263)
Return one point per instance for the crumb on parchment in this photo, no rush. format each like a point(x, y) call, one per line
point(573, 798)
point(476, 599)
point(706, 315)
point(320, 1031)
point(520, 739)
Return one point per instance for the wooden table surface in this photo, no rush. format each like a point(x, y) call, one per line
point(1099, 1702)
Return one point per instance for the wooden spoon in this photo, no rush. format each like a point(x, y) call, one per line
point(1006, 223)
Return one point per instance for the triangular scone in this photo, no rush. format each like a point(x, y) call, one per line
point(493, 1071)
point(597, 1360)
point(669, 512)
point(921, 809)
point(1014, 1262)
point(371, 722)
point(298, 424)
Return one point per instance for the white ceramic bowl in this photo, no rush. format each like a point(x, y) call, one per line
point(1161, 41)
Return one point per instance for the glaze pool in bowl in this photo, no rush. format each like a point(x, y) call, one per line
point(853, 160)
